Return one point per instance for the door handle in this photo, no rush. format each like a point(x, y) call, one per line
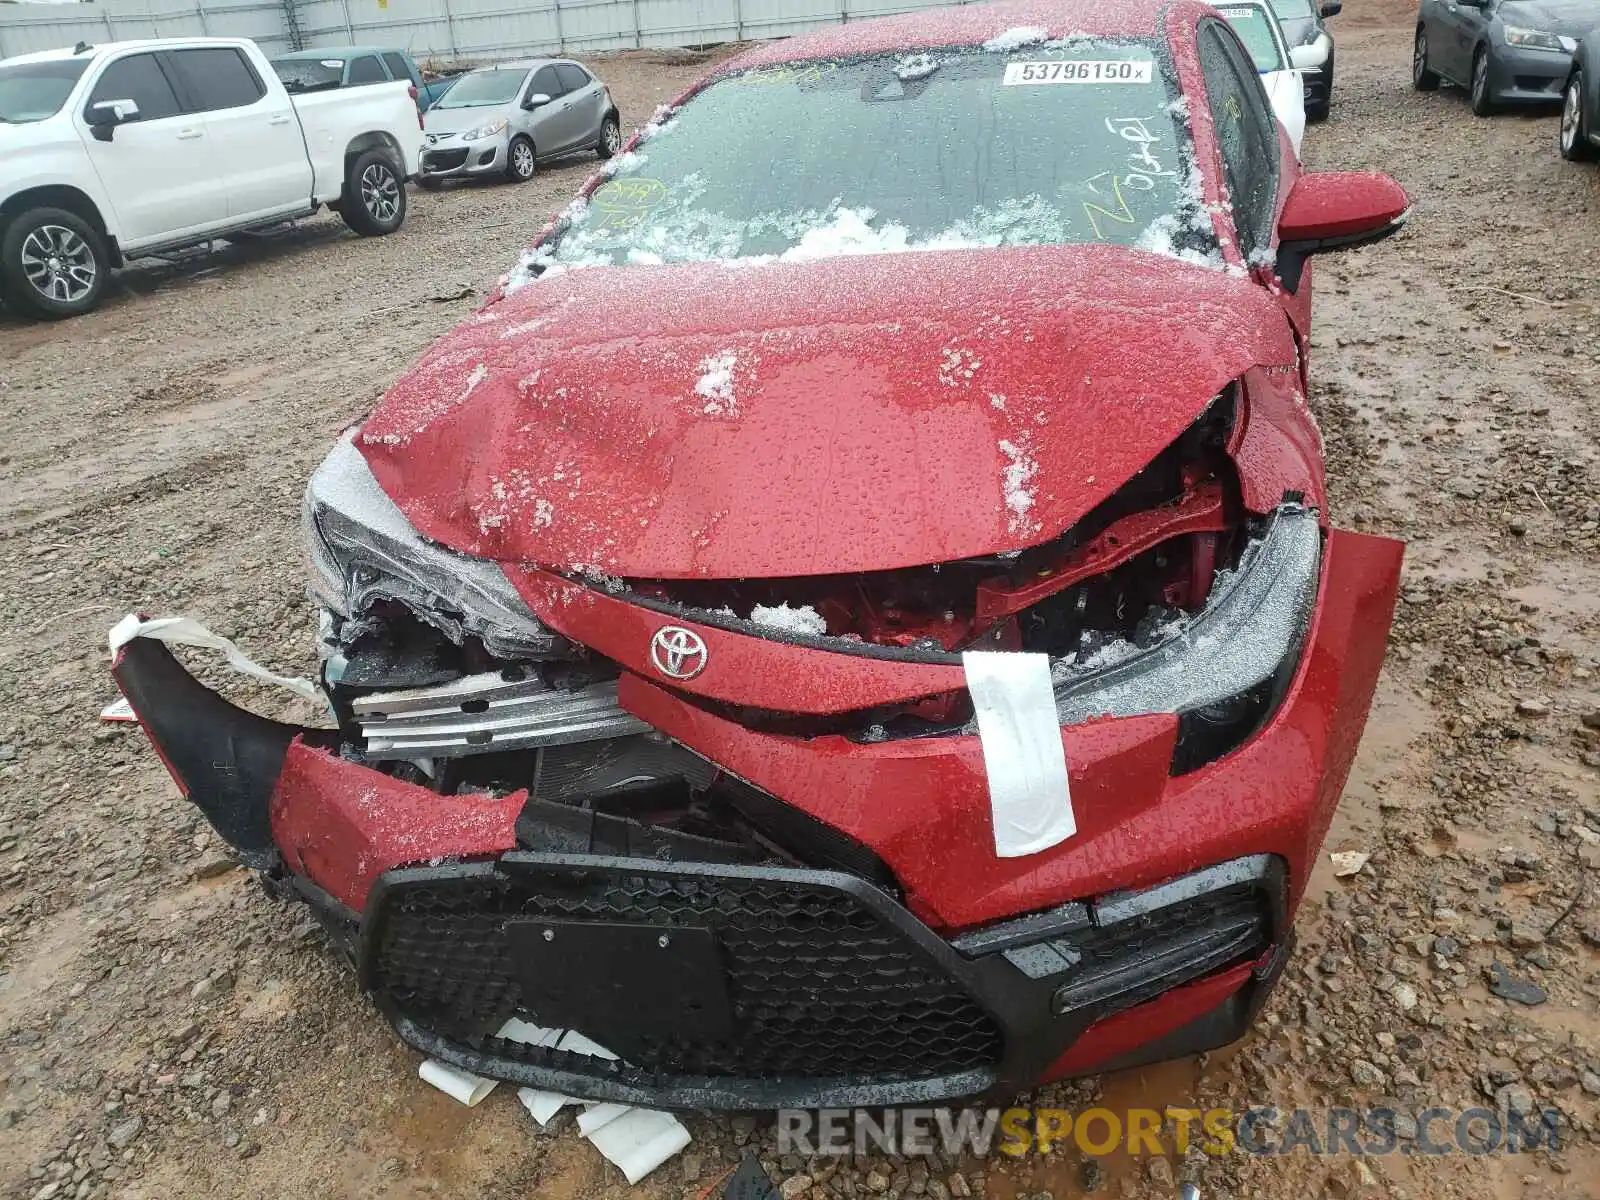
point(188, 135)
point(280, 119)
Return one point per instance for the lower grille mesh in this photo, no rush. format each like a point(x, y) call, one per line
point(819, 986)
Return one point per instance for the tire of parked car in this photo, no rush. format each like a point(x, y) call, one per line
point(1478, 93)
point(53, 264)
point(1575, 144)
point(1423, 78)
point(1319, 111)
point(522, 162)
point(374, 200)
point(610, 137)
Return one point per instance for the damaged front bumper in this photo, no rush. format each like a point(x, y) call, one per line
point(905, 965)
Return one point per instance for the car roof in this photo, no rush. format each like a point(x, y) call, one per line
point(343, 53)
point(519, 64)
point(96, 50)
point(971, 25)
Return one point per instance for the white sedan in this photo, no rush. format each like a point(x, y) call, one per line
point(1258, 29)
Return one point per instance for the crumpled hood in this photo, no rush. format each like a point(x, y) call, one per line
point(1573, 18)
point(849, 414)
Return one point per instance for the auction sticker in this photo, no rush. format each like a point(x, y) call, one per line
point(1083, 70)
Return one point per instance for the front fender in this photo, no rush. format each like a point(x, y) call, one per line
point(55, 161)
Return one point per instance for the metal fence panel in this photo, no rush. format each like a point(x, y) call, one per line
point(437, 30)
point(25, 28)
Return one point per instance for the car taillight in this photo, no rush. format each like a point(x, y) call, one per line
point(413, 90)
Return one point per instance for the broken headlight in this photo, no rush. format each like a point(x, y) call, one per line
point(1223, 669)
point(363, 550)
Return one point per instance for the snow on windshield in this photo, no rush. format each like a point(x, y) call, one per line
point(1051, 143)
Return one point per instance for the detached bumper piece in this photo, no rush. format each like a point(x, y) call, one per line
point(750, 987)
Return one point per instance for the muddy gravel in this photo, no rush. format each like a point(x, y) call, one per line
point(167, 1029)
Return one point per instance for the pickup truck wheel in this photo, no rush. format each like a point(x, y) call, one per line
point(521, 161)
point(52, 264)
point(610, 137)
point(374, 195)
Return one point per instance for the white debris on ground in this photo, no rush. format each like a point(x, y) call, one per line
point(118, 710)
point(635, 1140)
point(1019, 472)
point(1348, 862)
point(1016, 39)
point(459, 1085)
point(715, 385)
point(802, 619)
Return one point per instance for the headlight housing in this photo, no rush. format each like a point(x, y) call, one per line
point(361, 549)
point(1224, 669)
point(1538, 39)
point(485, 131)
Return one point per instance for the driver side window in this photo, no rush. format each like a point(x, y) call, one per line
point(547, 81)
point(1247, 134)
point(139, 78)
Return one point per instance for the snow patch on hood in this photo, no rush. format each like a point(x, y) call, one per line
point(1017, 480)
point(802, 619)
point(715, 384)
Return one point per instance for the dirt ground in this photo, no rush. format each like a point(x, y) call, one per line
point(168, 1030)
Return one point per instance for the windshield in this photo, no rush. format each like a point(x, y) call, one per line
point(482, 88)
point(36, 90)
point(1254, 27)
point(309, 74)
point(1056, 143)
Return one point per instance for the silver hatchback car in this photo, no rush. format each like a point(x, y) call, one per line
point(505, 120)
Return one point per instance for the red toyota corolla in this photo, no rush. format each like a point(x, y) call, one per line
point(855, 620)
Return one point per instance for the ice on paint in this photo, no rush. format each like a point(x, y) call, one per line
point(1016, 479)
point(715, 385)
point(1016, 39)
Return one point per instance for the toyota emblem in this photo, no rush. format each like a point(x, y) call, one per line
point(678, 653)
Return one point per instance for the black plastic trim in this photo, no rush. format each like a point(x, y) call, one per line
point(227, 759)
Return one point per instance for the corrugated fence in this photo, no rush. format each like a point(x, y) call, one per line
point(435, 29)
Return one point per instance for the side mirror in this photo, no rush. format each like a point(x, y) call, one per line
point(537, 100)
point(1332, 8)
point(1305, 58)
point(1333, 210)
point(105, 115)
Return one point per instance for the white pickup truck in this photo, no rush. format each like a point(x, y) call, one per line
point(112, 152)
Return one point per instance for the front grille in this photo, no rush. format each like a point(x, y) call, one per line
point(443, 160)
point(819, 985)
